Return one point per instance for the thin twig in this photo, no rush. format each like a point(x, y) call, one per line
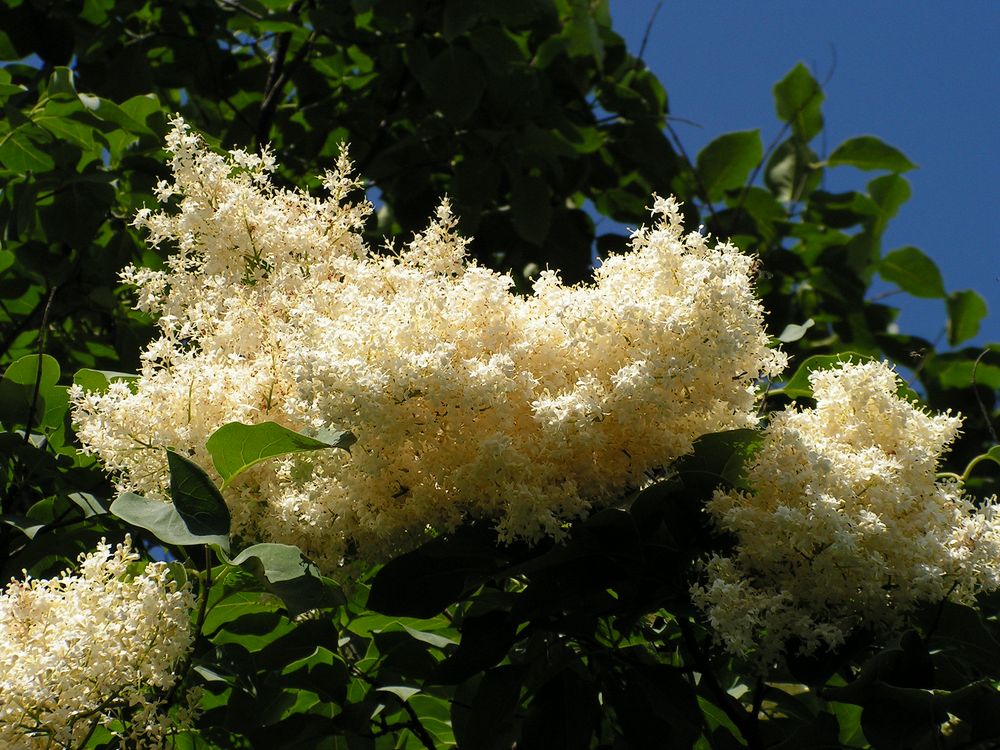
point(277, 76)
point(979, 400)
point(758, 698)
point(417, 727)
point(18, 329)
point(699, 185)
point(38, 372)
point(773, 145)
point(242, 9)
point(199, 623)
point(649, 28)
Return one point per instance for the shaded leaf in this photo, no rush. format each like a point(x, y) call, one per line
point(966, 310)
point(725, 163)
point(30, 384)
point(792, 172)
point(162, 520)
point(196, 497)
point(287, 574)
point(563, 714)
point(19, 154)
point(454, 82)
point(531, 209)
point(483, 710)
point(425, 581)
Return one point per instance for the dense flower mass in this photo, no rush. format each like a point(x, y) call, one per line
point(90, 648)
point(847, 524)
point(468, 401)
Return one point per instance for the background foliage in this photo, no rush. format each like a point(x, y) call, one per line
point(534, 118)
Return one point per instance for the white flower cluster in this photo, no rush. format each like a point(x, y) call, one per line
point(90, 648)
point(468, 401)
point(847, 524)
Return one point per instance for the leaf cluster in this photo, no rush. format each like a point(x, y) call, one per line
point(543, 129)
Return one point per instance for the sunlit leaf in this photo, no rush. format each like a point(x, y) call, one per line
point(797, 99)
point(913, 272)
point(402, 692)
point(795, 331)
point(868, 152)
point(235, 447)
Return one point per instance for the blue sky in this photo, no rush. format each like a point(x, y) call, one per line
point(922, 76)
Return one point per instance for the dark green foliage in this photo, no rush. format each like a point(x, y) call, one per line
point(533, 117)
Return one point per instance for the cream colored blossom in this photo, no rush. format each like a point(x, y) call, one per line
point(91, 647)
point(847, 524)
point(468, 401)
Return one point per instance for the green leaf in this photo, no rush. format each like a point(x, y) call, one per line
point(454, 82)
point(913, 272)
point(433, 639)
point(795, 331)
point(402, 692)
point(718, 458)
point(848, 724)
point(235, 593)
point(26, 525)
point(655, 700)
point(18, 394)
point(235, 447)
point(279, 562)
point(961, 630)
point(797, 99)
point(9, 89)
point(483, 711)
point(459, 17)
point(61, 83)
point(792, 172)
point(88, 503)
point(65, 128)
point(966, 310)
point(162, 520)
point(98, 381)
point(19, 154)
point(725, 163)
point(425, 581)
point(584, 36)
point(140, 107)
point(25, 371)
point(966, 374)
point(107, 110)
point(890, 191)
point(196, 497)
point(286, 573)
point(531, 208)
point(868, 152)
